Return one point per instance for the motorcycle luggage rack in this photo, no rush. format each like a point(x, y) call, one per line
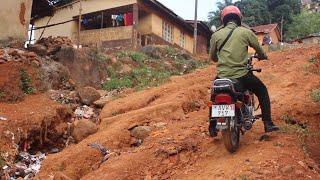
point(223, 85)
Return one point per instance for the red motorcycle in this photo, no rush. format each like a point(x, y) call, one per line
point(232, 109)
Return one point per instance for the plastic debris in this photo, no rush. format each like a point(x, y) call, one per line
point(104, 151)
point(3, 118)
point(84, 112)
point(26, 167)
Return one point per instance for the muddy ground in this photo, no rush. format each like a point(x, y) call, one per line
point(176, 144)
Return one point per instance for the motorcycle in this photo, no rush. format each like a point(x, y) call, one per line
point(232, 109)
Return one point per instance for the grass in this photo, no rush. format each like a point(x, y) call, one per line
point(2, 94)
point(147, 72)
point(313, 60)
point(26, 82)
point(292, 127)
point(2, 161)
point(315, 95)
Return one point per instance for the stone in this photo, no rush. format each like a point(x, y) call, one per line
point(141, 132)
point(160, 125)
point(152, 51)
point(60, 176)
point(287, 169)
point(102, 102)
point(30, 54)
point(83, 128)
point(38, 49)
point(125, 69)
point(299, 173)
point(88, 95)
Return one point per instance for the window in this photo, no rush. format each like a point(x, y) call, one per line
point(167, 32)
point(182, 39)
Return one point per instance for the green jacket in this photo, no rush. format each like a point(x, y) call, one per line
point(232, 60)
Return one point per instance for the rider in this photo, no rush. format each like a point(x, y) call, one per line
point(232, 53)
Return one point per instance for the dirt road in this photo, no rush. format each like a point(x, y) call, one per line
point(179, 147)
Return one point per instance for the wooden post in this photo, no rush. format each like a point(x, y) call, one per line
point(79, 23)
point(101, 27)
point(195, 28)
point(135, 25)
point(282, 29)
point(31, 33)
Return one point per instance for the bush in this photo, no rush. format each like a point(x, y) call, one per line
point(26, 82)
point(117, 83)
point(315, 95)
point(303, 25)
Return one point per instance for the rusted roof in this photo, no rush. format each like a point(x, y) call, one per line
point(264, 28)
point(203, 28)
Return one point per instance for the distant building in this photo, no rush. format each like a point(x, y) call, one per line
point(267, 34)
point(131, 23)
point(310, 5)
point(311, 39)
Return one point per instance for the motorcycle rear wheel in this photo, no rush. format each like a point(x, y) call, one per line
point(231, 136)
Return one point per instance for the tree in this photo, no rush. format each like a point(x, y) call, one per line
point(255, 12)
point(214, 16)
point(303, 25)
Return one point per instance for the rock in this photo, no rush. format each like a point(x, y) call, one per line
point(88, 95)
point(83, 128)
point(125, 69)
point(102, 93)
point(38, 49)
point(152, 51)
point(102, 102)
point(60, 176)
point(160, 125)
point(2, 61)
point(30, 54)
point(287, 169)
point(141, 132)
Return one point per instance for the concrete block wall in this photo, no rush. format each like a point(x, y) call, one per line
point(97, 36)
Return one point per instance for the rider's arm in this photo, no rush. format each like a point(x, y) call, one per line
point(253, 42)
point(213, 50)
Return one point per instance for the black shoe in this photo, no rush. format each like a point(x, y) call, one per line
point(270, 127)
point(212, 129)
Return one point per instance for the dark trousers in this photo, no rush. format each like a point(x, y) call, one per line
point(255, 85)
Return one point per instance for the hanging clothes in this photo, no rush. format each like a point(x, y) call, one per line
point(128, 19)
point(113, 18)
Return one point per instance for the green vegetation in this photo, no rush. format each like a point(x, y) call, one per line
point(303, 25)
point(147, 72)
point(315, 95)
point(292, 127)
point(26, 82)
point(258, 12)
point(2, 94)
point(2, 161)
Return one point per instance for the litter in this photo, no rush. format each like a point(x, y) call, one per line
point(104, 151)
point(3, 118)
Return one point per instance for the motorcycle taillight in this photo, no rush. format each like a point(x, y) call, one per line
point(223, 99)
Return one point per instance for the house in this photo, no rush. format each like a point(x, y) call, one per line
point(126, 23)
point(204, 36)
point(15, 17)
point(311, 39)
point(267, 34)
point(310, 5)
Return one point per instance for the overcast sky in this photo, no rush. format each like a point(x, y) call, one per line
point(185, 8)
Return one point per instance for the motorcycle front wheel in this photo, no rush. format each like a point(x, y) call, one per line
point(231, 136)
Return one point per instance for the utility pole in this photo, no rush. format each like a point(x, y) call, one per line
point(79, 23)
point(281, 29)
point(195, 28)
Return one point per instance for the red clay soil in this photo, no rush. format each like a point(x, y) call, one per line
point(26, 119)
point(180, 148)
point(10, 80)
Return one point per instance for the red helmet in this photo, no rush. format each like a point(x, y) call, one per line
point(230, 10)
